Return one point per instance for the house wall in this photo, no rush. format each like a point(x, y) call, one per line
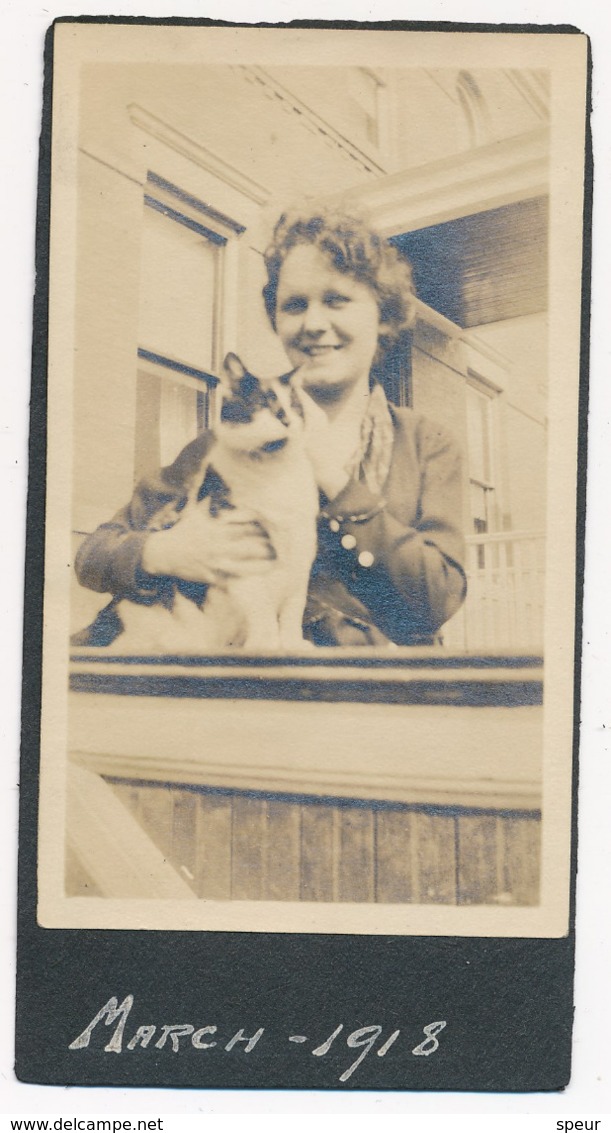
point(107, 285)
point(523, 425)
point(438, 387)
point(475, 109)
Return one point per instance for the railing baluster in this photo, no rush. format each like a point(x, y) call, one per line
point(503, 587)
point(522, 633)
point(489, 595)
point(504, 606)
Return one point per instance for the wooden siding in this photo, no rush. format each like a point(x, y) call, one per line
point(235, 846)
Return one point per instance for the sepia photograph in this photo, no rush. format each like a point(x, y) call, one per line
point(313, 388)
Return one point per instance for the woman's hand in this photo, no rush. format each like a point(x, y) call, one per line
point(200, 548)
point(331, 476)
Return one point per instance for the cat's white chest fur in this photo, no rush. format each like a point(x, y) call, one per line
point(281, 493)
point(279, 488)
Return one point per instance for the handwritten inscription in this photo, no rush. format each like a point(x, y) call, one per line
point(174, 1036)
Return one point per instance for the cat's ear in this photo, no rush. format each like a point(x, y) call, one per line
point(234, 370)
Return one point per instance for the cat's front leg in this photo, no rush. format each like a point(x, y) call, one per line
point(290, 619)
point(256, 599)
point(263, 635)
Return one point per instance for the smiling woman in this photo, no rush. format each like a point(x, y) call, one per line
point(328, 322)
point(388, 567)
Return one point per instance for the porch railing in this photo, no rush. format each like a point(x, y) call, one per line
point(248, 778)
point(504, 605)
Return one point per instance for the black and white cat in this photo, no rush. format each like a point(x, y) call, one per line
point(257, 463)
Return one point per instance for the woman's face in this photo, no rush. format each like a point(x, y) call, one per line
point(328, 322)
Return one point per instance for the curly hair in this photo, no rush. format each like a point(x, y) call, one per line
point(355, 249)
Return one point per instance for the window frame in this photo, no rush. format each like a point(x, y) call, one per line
point(223, 232)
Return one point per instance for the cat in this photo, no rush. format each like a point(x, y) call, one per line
point(257, 463)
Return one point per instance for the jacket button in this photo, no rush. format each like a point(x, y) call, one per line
point(366, 559)
point(348, 542)
point(333, 525)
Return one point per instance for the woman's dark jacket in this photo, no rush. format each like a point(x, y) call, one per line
point(389, 566)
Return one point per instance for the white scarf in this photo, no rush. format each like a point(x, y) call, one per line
point(371, 460)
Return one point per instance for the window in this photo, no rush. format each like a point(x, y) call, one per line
point(366, 92)
point(181, 276)
point(474, 108)
point(179, 270)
